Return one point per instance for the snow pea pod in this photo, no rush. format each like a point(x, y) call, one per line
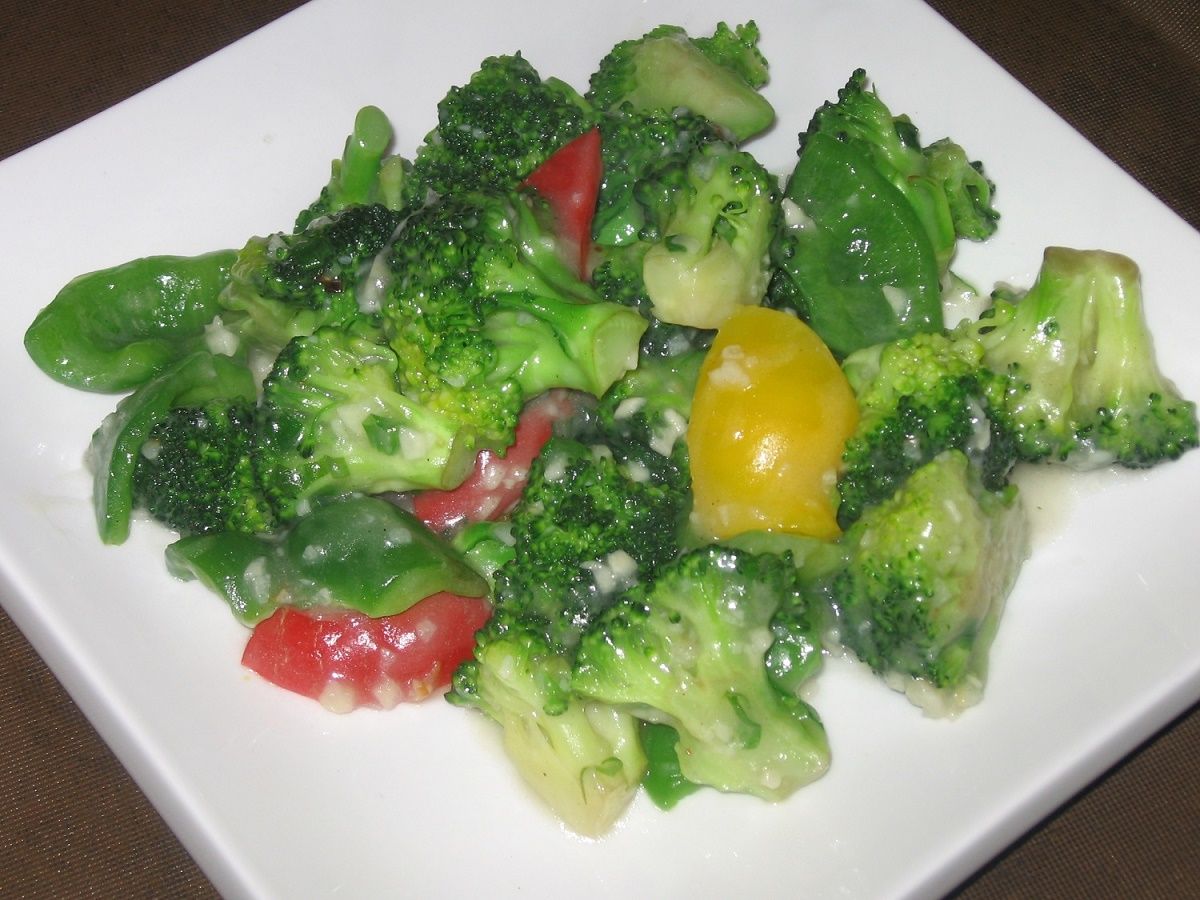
point(664, 782)
point(858, 252)
point(115, 329)
point(375, 557)
point(244, 569)
point(356, 552)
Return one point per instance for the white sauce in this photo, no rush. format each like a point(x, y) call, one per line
point(731, 372)
point(674, 426)
point(219, 340)
point(616, 572)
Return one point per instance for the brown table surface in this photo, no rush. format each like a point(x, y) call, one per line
point(1124, 72)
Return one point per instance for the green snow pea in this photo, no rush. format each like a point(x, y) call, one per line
point(355, 552)
point(859, 257)
point(244, 569)
point(193, 380)
point(372, 556)
point(115, 329)
point(664, 781)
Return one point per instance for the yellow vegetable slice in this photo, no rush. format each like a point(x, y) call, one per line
point(770, 419)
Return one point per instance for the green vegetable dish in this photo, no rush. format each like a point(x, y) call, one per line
point(587, 421)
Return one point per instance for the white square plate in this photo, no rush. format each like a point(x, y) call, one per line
point(277, 798)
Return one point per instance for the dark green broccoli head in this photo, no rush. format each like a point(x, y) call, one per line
point(482, 308)
point(593, 521)
point(443, 278)
point(495, 130)
point(665, 70)
point(644, 156)
point(501, 242)
point(684, 224)
point(117, 445)
point(195, 472)
point(581, 757)
point(287, 285)
point(535, 675)
point(918, 397)
point(323, 263)
point(690, 651)
point(927, 575)
point(1078, 380)
point(651, 405)
point(334, 420)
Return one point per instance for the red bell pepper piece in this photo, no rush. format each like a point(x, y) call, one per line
point(347, 659)
point(495, 484)
point(570, 181)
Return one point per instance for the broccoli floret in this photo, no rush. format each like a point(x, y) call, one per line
point(121, 440)
point(651, 405)
point(583, 758)
point(365, 174)
point(593, 521)
point(968, 189)
point(334, 420)
point(863, 180)
point(1079, 379)
point(545, 342)
point(484, 314)
point(927, 576)
point(644, 158)
point(499, 127)
point(737, 49)
point(690, 651)
point(713, 256)
point(683, 227)
point(288, 285)
point(917, 397)
point(434, 317)
point(617, 278)
point(665, 70)
point(195, 472)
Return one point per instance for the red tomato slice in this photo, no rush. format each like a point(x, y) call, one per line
point(346, 659)
point(570, 181)
point(495, 484)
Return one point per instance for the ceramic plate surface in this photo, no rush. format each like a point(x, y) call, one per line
point(276, 797)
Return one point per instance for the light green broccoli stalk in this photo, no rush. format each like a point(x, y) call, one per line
point(583, 758)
